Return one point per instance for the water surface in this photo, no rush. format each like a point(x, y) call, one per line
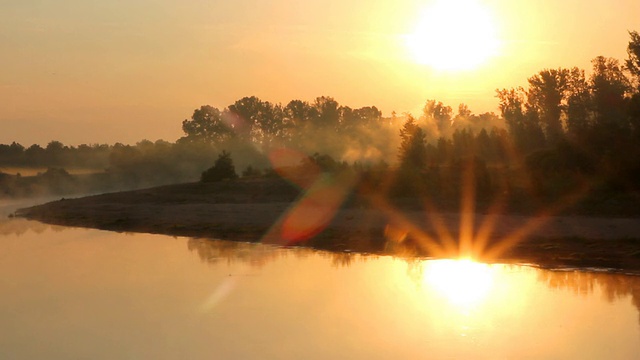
point(78, 293)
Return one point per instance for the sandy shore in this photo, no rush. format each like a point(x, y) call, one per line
point(261, 210)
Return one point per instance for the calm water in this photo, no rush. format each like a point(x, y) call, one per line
point(85, 294)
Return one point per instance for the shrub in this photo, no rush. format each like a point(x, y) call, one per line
point(221, 170)
point(250, 171)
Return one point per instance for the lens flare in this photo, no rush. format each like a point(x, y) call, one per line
point(311, 214)
point(322, 197)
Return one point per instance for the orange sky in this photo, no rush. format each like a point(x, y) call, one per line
point(83, 71)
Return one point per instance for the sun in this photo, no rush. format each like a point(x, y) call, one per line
point(454, 35)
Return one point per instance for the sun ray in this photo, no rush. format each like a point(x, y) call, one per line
point(467, 208)
point(400, 221)
point(444, 234)
point(534, 223)
point(487, 227)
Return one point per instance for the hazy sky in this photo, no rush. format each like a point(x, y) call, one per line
point(86, 71)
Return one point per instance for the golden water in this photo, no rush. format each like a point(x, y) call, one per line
point(87, 294)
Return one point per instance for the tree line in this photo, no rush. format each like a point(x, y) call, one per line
point(568, 127)
point(565, 131)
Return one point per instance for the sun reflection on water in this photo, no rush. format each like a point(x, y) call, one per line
point(464, 283)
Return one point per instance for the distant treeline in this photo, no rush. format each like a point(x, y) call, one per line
point(55, 154)
point(566, 130)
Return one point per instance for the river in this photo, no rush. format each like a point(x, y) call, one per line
point(69, 293)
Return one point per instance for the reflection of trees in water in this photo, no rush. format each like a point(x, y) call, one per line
point(341, 259)
point(613, 286)
point(19, 226)
point(415, 270)
point(258, 255)
point(344, 259)
point(215, 251)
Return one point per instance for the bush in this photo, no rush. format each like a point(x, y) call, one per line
point(250, 171)
point(222, 169)
point(558, 171)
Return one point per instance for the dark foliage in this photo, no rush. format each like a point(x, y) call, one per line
point(223, 169)
point(412, 153)
point(250, 171)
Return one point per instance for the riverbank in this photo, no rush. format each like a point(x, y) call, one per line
point(262, 210)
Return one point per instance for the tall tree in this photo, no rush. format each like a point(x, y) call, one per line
point(352, 120)
point(579, 103)
point(297, 116)
point(440, 115)
point(633, 61)
point(483, 145)
point(412, 152)
point(206, 125)
point(463, 143)
point(523, 125)
point(327, 112)
point(609, 86)
point(244, 113)
point(545, 98)
point(633, 66)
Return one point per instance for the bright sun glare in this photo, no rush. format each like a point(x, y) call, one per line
point(454, 35)
point(463, 283)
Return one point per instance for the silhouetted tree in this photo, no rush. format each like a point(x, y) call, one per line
point(243, 113)
point(438, 114)
point(559, 170)
point(298, 113)
point(545, 98)
point(55, 152)
point(207, 125)
point(323, 161)
point(609, 87)
point(222, 169)
point(463, 143)
point(412, 152)
point(444, 150)
point(633, 61)
point(579, 112)
point(484, 146)
point(327, 112)
point(250, 171)
point(633, 66)
point(11, 154)
point(259, 122)
point(523, 126)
